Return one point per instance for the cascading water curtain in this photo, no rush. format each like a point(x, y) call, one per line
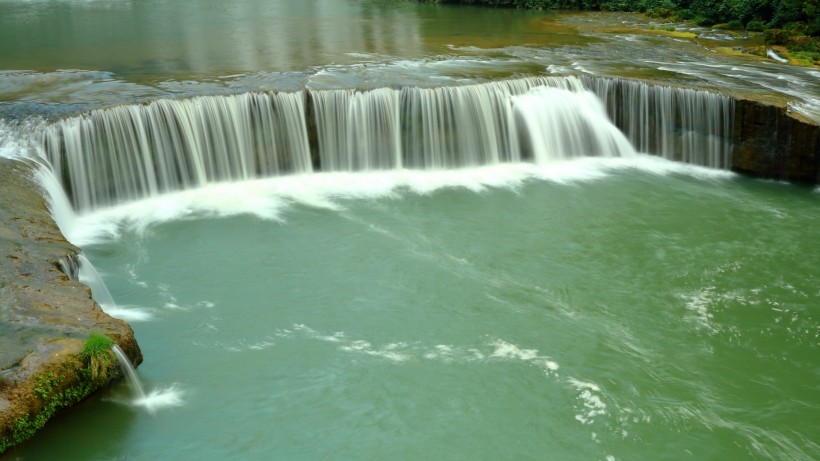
point(423, 128)
point(358, 130)
point(686, 125)
point(108, 156)
point(127, 152)
point(124, 153)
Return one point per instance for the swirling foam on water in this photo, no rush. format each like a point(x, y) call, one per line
point(270, 198)
point(493, 350)
point(161, 398)
point(591, 404)
point(155, 400)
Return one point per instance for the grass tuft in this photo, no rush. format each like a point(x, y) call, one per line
point(98, 356)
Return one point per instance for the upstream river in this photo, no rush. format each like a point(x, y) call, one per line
point(624, 308)
point(63, 56)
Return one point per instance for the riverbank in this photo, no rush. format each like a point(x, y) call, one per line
point(46, 316)
point(790, 25)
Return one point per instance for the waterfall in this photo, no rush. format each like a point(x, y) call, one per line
point(70, 265)
point(561, 126)
point(108, 156)
point(130, 373)
point(88, 275)
point(680, 124)
point(128, 152)
point(358, 130)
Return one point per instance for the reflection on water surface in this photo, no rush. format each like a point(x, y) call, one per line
point(129, 51)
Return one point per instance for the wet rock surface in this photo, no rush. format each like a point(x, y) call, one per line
point(772, 143)
point(45, 315)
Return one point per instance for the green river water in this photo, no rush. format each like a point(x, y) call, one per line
point(594, 309)
point(641, 312)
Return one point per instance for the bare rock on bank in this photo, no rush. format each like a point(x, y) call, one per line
point(772, 143)
point(45, 315)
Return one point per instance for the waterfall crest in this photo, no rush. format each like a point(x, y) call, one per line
point(128, 152)
point(119, 154)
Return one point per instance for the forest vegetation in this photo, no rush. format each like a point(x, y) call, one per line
point(790, 23)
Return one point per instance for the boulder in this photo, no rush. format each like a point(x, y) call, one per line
point(771, 142)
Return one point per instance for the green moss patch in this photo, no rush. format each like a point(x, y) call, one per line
point(65, 385)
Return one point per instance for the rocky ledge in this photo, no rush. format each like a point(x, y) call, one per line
point(46, 316)
point(772, 142)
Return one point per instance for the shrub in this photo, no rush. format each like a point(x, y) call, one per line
point(703, 21)
point(659, 12)
point(98, 356)
point(734, 24)
point(810, 56)
point(756, 26)
point(777, 37)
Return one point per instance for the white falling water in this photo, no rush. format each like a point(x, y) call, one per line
point(129, 152)
point(358, 131)
point(129, 372)
point(559, 125)
point(110, 156)
point(679, 124)
point(89, 276)
point(472, 125)
point(156, 399)
point(773, 55)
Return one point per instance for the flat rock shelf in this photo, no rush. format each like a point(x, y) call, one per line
point(45, 315)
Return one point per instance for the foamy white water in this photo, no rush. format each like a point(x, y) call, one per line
point(154, 400)
point(158, 399)
point(271, 198)
point(126, 153)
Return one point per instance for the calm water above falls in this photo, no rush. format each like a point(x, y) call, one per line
point(62, 56)
point(601, 314)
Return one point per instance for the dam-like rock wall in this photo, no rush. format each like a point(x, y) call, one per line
point(770, 142)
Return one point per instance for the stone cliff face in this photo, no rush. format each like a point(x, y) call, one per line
point(772, 143)
point(45, 315)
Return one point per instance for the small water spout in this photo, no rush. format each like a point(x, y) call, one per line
point(89, 276)
point(773, 55)
point(158, 398)
point(130, 373)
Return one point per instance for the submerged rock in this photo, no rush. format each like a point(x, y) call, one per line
point(45, 315)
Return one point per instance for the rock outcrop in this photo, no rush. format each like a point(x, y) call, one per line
point(772, 143)
point(45, 315)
